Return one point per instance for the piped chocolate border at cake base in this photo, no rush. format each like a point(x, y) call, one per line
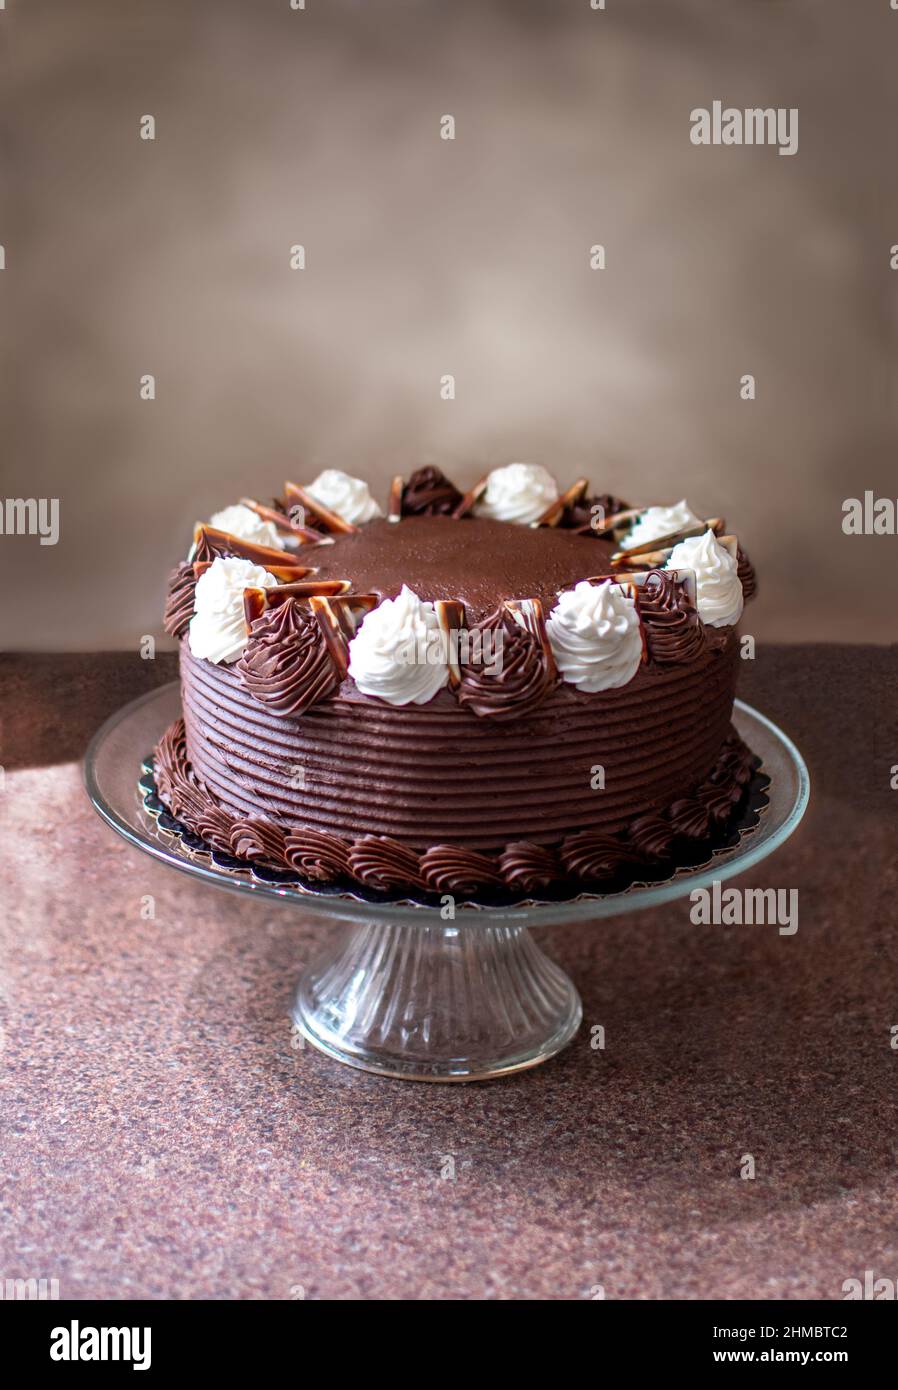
point(656, 847)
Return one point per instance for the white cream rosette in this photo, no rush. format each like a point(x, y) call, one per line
point(398, 654)
point(518, 492)
point(218, 626)
point(718, 589)
point(595, 635)
point(349, 497)
point(657, 522)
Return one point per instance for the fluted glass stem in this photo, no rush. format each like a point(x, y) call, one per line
point(437, 1001)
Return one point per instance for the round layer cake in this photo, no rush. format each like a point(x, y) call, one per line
point(444, 700)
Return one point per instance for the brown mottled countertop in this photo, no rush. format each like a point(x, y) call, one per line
point(161, 1138)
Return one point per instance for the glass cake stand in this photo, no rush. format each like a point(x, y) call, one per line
point(398, 989)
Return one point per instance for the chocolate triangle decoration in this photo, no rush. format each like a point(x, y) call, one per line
point(394, 507)
point(451, 618)
point(529, 614)
point(470, 499)
point(296, 496)
point(556, 510)
point(646, 554)
point(210, 542)
point(333, 630)
point(346, 607)
point(303, 535)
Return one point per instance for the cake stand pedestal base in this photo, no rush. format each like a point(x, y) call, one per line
point(432, 1001)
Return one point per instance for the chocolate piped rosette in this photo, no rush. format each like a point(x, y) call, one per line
point(514, 690)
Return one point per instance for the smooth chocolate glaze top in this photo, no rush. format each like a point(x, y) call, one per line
point(478, 561)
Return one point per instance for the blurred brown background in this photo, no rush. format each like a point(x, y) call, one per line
point(426, 257)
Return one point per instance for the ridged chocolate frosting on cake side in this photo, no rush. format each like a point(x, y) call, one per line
point(590, 859)
point(434, 774)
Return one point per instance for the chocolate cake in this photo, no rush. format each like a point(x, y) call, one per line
point(510, 690)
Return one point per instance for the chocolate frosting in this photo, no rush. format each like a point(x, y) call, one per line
point(529, 868)
point(259, 841)
point(719, 799)
point(652, 838)
point(429, 492)
point(427, 794)
point(516, 684)
point(179, 602)
point(215, 826)
point(384, 864)
point(589, 857)
point(594, 857)
point(454, 869)
point(286, 665)
point(673, 630)
point(419, 773)
point(177, 784)
point(317, 855)
point(746, 574)
point(690, 817)
point(735, 764)
point(479, 562)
